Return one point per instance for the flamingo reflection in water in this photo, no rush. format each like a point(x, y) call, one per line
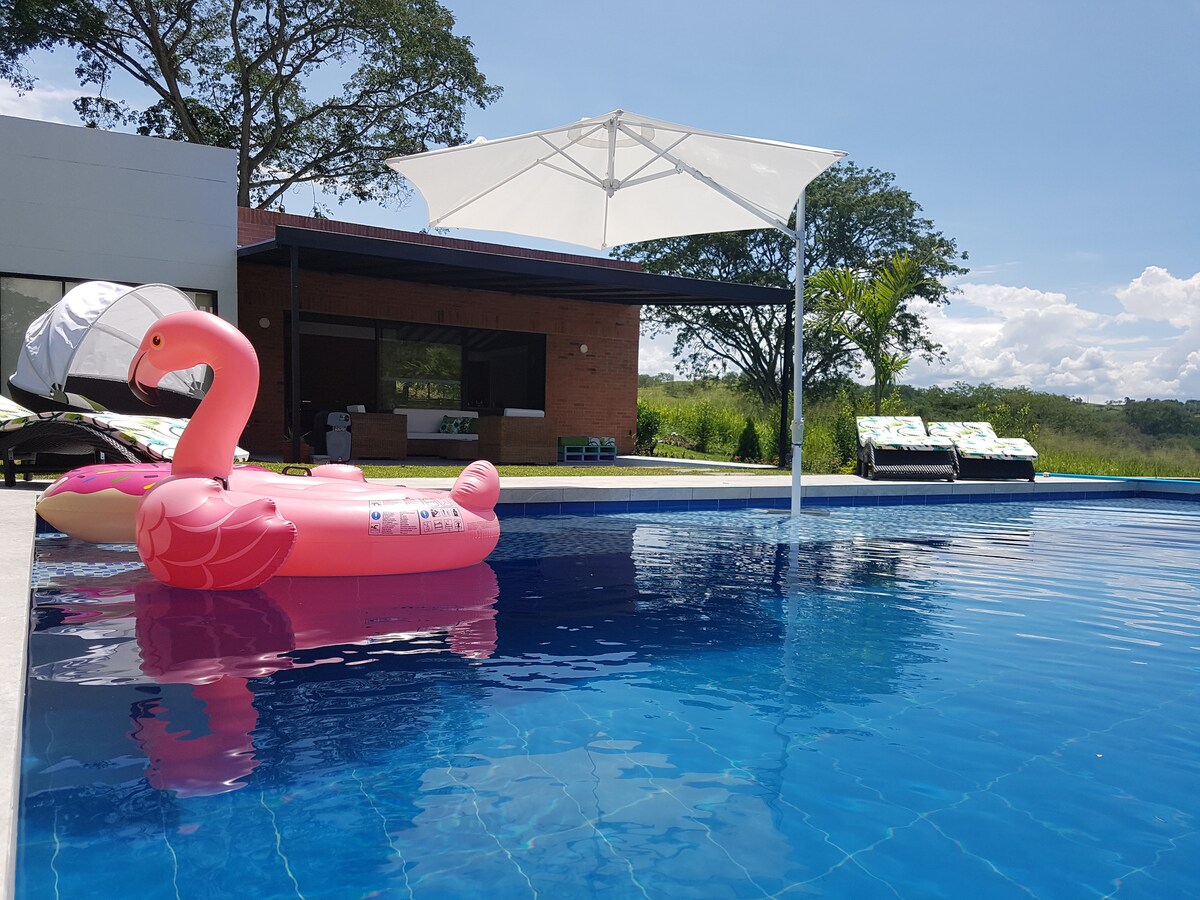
point(217, 642)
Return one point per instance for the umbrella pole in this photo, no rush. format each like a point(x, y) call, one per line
point(798, 360)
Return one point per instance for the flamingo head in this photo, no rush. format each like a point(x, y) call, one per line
point(183, 340)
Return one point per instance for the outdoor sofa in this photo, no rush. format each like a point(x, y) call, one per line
point(514, 437)
point(448, 433)
point(900, 447)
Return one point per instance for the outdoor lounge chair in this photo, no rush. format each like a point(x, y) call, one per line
point(978, 453)
point(76, 355)
point(49, 442)
point(899, 447)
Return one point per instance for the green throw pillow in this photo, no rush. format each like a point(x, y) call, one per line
point(459, 425)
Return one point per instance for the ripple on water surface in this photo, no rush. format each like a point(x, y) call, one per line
point(990, 701)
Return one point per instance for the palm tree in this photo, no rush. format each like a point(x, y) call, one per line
point(865, 311)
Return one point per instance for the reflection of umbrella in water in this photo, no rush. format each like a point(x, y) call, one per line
point(620, 178)
point(216, 641)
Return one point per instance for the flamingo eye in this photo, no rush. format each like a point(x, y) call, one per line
point(156, 340)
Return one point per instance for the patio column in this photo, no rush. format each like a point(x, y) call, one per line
point(294, 381)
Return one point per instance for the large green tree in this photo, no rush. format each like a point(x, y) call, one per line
point(854, 219)
point(243, 74)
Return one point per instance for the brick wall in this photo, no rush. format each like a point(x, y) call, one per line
point(593, 393)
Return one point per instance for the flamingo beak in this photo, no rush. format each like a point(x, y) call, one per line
point(144, 378)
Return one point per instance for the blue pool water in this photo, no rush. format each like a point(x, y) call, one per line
point(983, 701)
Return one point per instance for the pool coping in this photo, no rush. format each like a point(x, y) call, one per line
point(18, 524)
point(534, 496)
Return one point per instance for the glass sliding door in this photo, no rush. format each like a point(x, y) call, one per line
point(399, 365)
point(337, 366)
point(420, 366)
point(505, 368)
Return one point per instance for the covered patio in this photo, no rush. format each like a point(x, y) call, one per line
point(374, 320)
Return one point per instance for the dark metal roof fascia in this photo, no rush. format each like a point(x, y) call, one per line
point(580, 281)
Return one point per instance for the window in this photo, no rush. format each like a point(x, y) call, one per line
point(420, 367)
point(21, 301)
point(505, 368)
point(390, 365)
point(205, 300)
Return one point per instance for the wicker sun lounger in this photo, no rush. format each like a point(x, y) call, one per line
point(48, 442)
point(979, 453)
point(899, 447)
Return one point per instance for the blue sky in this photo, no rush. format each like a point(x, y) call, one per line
point(1057, 141)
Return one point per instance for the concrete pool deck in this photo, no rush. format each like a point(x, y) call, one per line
point(541, 495)
point(730, 489)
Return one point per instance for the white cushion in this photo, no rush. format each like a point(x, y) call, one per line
point(425, 422)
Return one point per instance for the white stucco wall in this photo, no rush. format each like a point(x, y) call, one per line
point(80, 203)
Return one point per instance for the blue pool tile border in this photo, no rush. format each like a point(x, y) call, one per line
point(616, 507)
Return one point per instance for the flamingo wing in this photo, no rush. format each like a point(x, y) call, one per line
point(477, 487)
point(191, 533)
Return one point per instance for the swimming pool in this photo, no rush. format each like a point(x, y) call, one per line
point(992, 700)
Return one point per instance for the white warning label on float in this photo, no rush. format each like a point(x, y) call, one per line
point(412, 515)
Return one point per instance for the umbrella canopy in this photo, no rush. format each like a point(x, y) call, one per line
point(615, 179)
point(621, 178)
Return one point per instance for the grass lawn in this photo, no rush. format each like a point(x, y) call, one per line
point(452, 470)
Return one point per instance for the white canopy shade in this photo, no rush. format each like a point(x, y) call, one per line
point(577, 183)
point(94, 331)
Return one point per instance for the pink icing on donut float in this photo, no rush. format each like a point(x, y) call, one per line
point(210, 525)
point(99, 503)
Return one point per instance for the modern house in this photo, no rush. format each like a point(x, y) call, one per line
point(342, 316)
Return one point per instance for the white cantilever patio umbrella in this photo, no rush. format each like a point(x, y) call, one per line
point(620, 178)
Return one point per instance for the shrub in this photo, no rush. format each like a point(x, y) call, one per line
point(817, 453)
point(845, 429)
point(705, 427)
point(749, 448)
point(850, 405)
point(1008, 422)
point(649, 422)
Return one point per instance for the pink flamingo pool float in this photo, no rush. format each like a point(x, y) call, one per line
point(213, 526)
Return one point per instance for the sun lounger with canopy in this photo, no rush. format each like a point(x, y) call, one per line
point(76, 355)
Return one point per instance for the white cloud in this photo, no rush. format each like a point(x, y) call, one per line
point(1017, 336)
point(1156, 294)
point(47, 104)
point(1013, 336)
point(654, 354)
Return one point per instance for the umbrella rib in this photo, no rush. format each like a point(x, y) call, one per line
point(634, 182)
point(659, 153)
point(560, 151)
point(725, 192)
point(591, 181)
